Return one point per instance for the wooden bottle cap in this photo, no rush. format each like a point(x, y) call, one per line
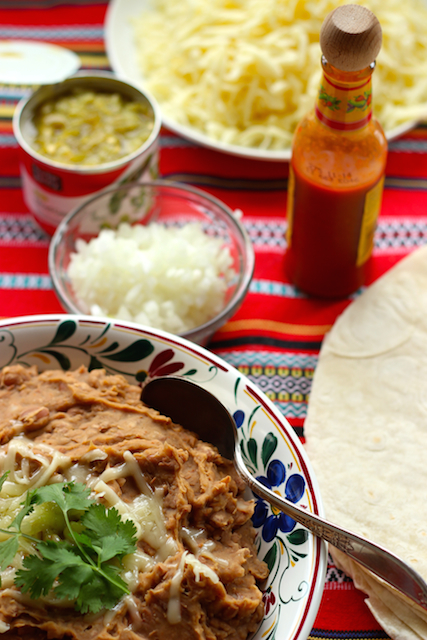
point(350, 37)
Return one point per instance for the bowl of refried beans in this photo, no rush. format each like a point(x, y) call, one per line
point(116, 523)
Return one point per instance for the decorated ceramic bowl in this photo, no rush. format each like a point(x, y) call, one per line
point(296, 559)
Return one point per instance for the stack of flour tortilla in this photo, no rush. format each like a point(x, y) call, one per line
point(366, 433)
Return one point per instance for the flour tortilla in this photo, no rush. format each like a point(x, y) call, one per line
point(366, 432)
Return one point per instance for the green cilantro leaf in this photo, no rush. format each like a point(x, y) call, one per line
point(39, 574)
point(85, 570)
point(98, 516)
point(97, 595)
point(8, 550)
point(72, 580)
point(59, 553)
point(108, 535)
point(67, 496)
point(25, 511)
point(92, 598)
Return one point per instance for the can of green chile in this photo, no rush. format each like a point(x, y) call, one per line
point(51, 189)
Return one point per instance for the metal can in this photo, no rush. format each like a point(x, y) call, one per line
point(52, 189)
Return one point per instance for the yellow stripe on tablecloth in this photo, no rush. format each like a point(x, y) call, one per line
point(94, 61)
point(6, 110)
point(276, 327)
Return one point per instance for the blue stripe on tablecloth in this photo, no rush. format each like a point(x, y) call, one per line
point(31, 281)
point(272, 288)
point(77, 32)
point(8, 140)
point(12, 93)
point(402, 145)
point(407, 145)
point(10, 182)
point(228, 183)
point(203, 180)
point(25, 281)
point(173, 142)
point(408, 184)
point(277, 229)
point(28, 281)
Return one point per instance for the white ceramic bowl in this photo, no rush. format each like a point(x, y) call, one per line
point(297, 560)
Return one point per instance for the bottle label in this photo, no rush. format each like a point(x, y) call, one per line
point(290, 205)
point(344, 107)
point(369, 221)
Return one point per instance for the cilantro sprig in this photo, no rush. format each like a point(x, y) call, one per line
point(85, 566)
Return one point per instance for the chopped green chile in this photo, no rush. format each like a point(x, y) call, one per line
point(91, 128)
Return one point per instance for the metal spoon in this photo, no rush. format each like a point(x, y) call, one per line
point(198, 410)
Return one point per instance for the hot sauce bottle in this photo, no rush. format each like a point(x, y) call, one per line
point(338, 162)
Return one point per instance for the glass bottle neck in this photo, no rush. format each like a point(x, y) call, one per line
point(344, 102)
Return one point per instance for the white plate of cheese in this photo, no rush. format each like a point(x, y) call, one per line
point(239, 80)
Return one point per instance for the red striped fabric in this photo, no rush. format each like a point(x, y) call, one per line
point(276, 335)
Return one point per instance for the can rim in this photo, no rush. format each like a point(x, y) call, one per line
point(105, 167)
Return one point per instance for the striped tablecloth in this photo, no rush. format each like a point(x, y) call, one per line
point(276, 335)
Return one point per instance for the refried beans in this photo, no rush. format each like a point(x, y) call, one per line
point(195, 574)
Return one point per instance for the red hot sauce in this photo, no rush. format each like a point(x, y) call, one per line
point(337, 168)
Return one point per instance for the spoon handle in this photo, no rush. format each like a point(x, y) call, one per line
point(375, 558)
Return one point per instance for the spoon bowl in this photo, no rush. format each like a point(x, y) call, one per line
point(199, 411)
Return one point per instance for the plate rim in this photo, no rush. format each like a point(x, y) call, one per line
point(303, 621)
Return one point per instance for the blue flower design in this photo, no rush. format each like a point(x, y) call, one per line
point(239, 418)
point(294, 490)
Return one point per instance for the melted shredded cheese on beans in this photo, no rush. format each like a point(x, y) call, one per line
point(30, 467)
point(245, 72)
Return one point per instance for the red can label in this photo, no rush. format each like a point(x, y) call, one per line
point(51, 193)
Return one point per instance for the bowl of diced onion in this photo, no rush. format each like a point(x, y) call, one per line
point(161, 254)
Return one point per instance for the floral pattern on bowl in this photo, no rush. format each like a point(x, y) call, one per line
point(270, 449)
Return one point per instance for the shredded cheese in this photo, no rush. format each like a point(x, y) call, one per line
point(199, 569)
point(174, 602)
point(245, 72)
point(145, 510)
